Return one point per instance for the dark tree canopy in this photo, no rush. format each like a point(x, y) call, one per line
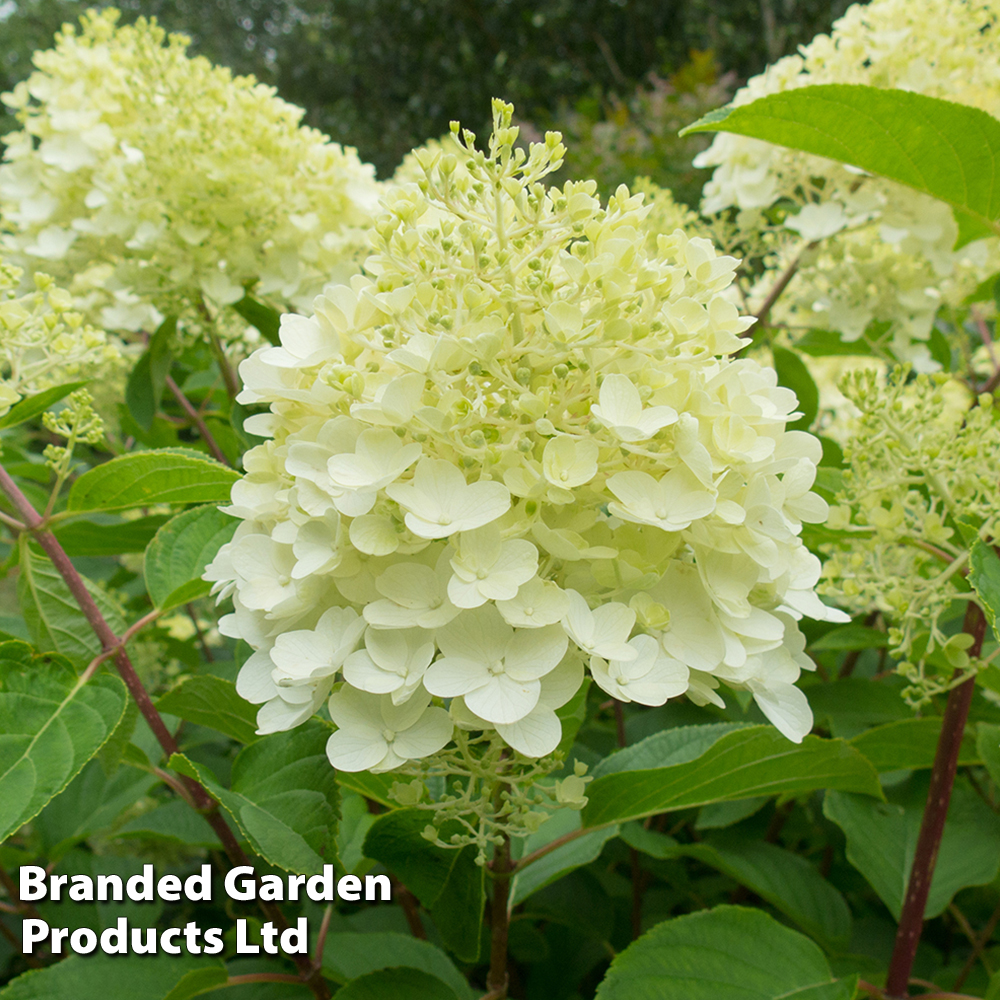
point(385, 75)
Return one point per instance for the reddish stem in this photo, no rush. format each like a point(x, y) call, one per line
point(197, 419)
point(109, 641)
point(911, 919)
point(497, 979)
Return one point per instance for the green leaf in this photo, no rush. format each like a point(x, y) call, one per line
point(212, 701)
point(348, 956)
point(729, 953)
point(31, 406)
point(398, 983)
point(988, 745)
point(98, 977)
point(561, 861)
point(372, 786)
point(91, 802)
point(946, 150)
point(751, 761)
point(850, 637)
point(266, 319)
point(199, 981)
point(283, 797)
point(909, 744)
point(852, 705)
point(940, 349)
point(984, 575)
point(178, 555)
point(794, 375)
point(448, 883)
point(50, 726)
point(882, 839)
point(86, 538)
point(175, 821)
point(785, 880)
point(144, 478)
point(53, 617)
point(144, 389)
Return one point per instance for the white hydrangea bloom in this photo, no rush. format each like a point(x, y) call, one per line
point(518, 449)
point(885, 253)
point(151, 183)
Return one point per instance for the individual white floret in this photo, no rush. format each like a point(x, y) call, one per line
point(495, 668)
point(305, 656)
point(440, 502)
point(379, 458)
point(601, 632)
point(373, 734)
point(540, 731)
point(536, 603)
point(671, 503)
point(488, 569)
point(393, 662)
point(414, 596)
point(621, 411)
point(649, 679)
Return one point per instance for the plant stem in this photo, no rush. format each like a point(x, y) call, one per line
point(911, 919)
point(199, 421)
point(496, 979)
point(110, 642)
point(978, 946)
point(779, 286)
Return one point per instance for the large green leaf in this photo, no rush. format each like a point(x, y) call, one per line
point(909, 744)
point(50, 726)
point(212, 701)
point(399, 983)
point(175, 822)
point(348, 956)
point(984, 575)
point(882, 839)
point(53, 617)
point(100, 977)
point(785, 880)
point(178, 555)
point(740, 764)
point(91, 802)
point(562, 860)
point(87, 538)
point(283, 797)
point(950, 151)
point(852, 705)
point(31, 406)
point(448, 883)
point(144, 478)
point(850, 637)
point(729, 953)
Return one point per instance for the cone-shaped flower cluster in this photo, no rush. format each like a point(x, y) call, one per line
point(517, 452)
point(890, 258)
point(153, 181)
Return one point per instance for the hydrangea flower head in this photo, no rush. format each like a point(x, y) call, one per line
point(542, 460)
point(876, 250)
point(156, 182)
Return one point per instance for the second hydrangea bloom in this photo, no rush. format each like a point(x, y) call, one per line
point(517, 449)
